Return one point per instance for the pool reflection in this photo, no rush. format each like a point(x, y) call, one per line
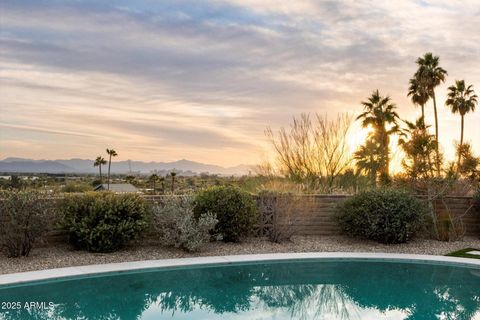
point(294, 290)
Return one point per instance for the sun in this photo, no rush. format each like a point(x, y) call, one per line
point(358, 135)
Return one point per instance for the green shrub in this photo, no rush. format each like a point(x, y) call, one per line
point(177, 227)
point(103, 221)
point(24, 217)
point(383, 215)
point(235, 210)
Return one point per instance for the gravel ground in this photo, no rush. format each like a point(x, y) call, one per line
point(65, 256)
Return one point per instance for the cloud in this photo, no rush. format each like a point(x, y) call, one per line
point(44, 130)
point(219, 72)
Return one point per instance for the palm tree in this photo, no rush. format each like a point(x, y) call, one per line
point(153, 179)
point(419, 147)
point(469, 164)
point(461, 99)
point(173, 174)
point(432, 75)
point(99, 161)
point(418, 92)
point(111, 153)
point(368, 159)
point(162, 181)
point(380, 112)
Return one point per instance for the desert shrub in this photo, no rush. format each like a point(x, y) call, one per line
point(383, 215)
point(176, 226)
point(72, 187)
point(235, 210)
point(103, 221)
point(24, 217)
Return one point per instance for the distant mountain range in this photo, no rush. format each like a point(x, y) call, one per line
point(187, 167)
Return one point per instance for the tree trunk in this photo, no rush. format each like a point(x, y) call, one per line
point(100, 168)
point(385, 159)
point(461, 132)
point(436, 132)
point(461, 141)
point(373, 173)
point(423, 114)
point(386, 171)
point(109, 164)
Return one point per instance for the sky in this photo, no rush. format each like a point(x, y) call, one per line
point(201, 80)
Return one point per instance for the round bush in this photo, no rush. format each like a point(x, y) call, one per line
point(104, 222)
point(234, 209)
point(383, 215)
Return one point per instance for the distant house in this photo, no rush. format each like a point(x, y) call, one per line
point(118, 188)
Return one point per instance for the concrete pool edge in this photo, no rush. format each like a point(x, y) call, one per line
point(52, 274)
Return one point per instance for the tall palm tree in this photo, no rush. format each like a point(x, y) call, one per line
point(111, 153)
point(173, 174)
point(379, 112)
point(153, 179)
point(432, 75)
point(461, 99)
point(418, 93)
point(99, 162)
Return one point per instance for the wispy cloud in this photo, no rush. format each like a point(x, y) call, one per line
point(172, 79)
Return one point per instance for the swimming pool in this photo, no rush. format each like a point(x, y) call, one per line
point(327, 287)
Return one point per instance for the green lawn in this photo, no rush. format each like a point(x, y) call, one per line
point(462, 253)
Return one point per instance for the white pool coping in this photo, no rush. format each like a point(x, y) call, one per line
point(51, 274)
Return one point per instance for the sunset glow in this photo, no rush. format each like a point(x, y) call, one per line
point(162, 81)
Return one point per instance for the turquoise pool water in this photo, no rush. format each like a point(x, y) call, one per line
point(303, 289)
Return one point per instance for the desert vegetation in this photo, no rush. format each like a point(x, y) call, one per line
point(315, 152)
point(176, 226)
point(312, 156)
point(103, 222)
point(25, 216)
point(383, 215)
point(235, 210)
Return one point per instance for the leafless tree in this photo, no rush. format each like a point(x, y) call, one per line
point(314, 151)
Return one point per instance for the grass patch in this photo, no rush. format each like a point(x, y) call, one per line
point(463, 253)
